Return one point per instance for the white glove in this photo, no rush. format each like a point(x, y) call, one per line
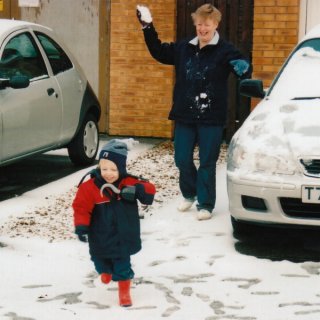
point(144, 15)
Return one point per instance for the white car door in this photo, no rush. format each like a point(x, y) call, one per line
point(31, 117)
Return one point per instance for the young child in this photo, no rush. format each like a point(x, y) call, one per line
point(106, 215)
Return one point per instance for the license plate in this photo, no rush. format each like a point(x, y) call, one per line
point(310, 194)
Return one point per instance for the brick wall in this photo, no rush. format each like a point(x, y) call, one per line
point(140, 87)
point(276, 25)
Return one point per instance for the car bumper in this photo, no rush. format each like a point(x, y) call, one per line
point(271, 201)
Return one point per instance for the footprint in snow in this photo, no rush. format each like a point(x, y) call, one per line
point(247, 282)
point(35, 286)
point(14, 316)
point(191, 278)
point(91, 277)
point(168, 293)
point(187, 291)
point(312, 268)
point(170, 311)
point(98, 305)
point(70, 298)
point(156, 263)
point(212, 259)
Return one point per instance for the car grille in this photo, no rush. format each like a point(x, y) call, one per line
point(294, 207)
point(311, 167)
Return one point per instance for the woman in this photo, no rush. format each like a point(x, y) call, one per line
point(202, 66)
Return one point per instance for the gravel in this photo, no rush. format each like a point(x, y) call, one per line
point(54, 221)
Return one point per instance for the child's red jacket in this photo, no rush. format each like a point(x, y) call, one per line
point(112, 223)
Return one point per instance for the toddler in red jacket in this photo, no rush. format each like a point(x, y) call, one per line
point(106, 216)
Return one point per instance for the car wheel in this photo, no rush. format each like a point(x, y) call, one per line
point(84, 146)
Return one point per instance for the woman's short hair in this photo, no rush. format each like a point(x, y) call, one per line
point(207, 11)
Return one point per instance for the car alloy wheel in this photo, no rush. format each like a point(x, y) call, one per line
point(84, 146)
point(90, 139)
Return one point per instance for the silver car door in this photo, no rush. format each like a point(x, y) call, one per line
point(31, 117)
point(72, 85)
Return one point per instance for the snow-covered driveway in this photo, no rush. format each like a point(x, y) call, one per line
point(187, 269)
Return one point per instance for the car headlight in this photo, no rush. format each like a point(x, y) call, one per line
point(241, 159)
point(277, 164)
point(235, 156)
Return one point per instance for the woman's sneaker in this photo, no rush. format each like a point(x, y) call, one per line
point(204, 214)
point(186, 204)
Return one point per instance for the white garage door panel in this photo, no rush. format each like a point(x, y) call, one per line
point(309, 15)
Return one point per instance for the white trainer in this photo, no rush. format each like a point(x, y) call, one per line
point(204, 214)
point(185, 205)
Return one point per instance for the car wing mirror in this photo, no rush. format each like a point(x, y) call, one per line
point(15, 82)
point(251, 88)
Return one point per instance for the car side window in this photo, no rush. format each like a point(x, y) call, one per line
point(21, 56)
point(58, 59)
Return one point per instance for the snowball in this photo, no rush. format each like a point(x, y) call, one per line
point(145, 13)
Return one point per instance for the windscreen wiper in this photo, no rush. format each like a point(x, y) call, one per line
point(305, 98)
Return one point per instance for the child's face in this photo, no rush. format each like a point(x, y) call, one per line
point(109, 170)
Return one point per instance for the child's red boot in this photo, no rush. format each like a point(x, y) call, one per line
point(106, 277)
point(124, 293)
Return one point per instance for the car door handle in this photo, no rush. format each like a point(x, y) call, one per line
point(51, 91)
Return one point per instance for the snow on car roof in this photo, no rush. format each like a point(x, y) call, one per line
point(7, 24)
point(10, 24)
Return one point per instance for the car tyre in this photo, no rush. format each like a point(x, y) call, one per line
point(83, 148)
point(242, 230)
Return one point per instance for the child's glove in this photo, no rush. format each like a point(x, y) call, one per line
point(128, 193)
point(82, 233)
point(144, 15)
point(131, 193)
point(240, 66)
point(140, 191)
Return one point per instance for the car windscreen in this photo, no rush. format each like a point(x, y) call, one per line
point(300, 76)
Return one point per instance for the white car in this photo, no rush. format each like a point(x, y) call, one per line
point(273, 168)
point(46, 101)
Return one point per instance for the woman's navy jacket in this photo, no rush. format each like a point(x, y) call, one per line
point(201, 86)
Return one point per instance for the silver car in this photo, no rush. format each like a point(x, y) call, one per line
point(273, 169)
point(46, 101)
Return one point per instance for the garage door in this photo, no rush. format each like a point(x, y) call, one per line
point(309, 15)
point(9, 9)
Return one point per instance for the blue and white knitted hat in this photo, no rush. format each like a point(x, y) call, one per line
point(115, 151)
